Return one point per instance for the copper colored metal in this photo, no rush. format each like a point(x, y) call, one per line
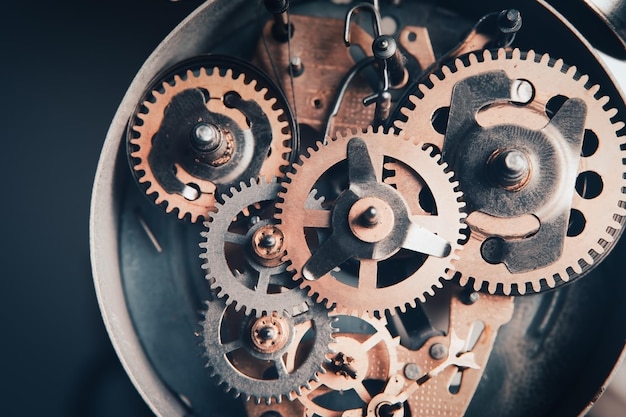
point(218, 86)
point(282, 409)
point(269, 334)
point(268, 245)
point(550, 79)
point(324, 65)
point(295, 217)
point(374, 357)
point(434, 397)
point(416, 41)
point(371, 219)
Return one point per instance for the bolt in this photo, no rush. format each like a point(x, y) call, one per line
point(267, 333)
point(522, 91)
point(412, 371)
point(267, 241)
point(370, 216)
point(493, 250)
point(296, 66)
point(384, 47)
point(510, 20)
point(206, 137)
point(510, 168)
point(438, 351)
point(470, 297)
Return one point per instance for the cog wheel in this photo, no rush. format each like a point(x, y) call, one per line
point(243, 251)
point(554, 207)
point(366, 356)
point(248, 354)
point(204, 129)
point(366, 250)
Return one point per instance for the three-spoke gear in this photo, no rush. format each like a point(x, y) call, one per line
point(367, 249)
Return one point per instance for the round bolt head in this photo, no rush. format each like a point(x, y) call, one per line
point(438, 351)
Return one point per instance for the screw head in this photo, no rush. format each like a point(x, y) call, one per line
point(438, 351)
point(267, 241)
point(412, 371)
point(206, 137)
point(510, 168)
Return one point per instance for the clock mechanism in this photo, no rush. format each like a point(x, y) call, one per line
point(390, 209)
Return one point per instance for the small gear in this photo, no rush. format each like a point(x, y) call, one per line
point(202, 130)
point(365, 356)
point(243, 251)
point(269, 357)
point(366, 250)
point(555, 207)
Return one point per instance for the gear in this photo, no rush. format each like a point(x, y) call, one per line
point(366, 352)
point(200, 131)
point(243, 250)
point(247, 354)
point(375, 253)
point(554, 207)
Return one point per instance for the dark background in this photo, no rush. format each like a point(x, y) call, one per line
point(64, 68)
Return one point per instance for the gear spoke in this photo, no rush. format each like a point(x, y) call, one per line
point(235, 238)
point(263, 282)
point(371, 341)
point(231, 346)
point(368, 273)
point(317, 218)
point(429, 222)
point(330, 255)
point(362, 392)
point(360, 167)
point(281, 368)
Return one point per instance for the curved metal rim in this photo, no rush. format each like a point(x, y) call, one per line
point(103, 228)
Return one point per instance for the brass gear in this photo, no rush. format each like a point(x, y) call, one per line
point(603, 215)
point(297, 216)
point(218, 84)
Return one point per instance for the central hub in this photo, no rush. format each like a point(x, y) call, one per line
point(269, 334)
point(371, 219)
point(268, 245)
point(214, 145)
point(510, 168)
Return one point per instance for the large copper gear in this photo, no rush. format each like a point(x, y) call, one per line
point(604, 214)
point(218, 86)
point(296, 215)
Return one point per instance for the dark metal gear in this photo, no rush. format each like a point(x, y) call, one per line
point(243, 251)
point(538, 156)
point(204, 127)
point(367, 250)
point(269, 357)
